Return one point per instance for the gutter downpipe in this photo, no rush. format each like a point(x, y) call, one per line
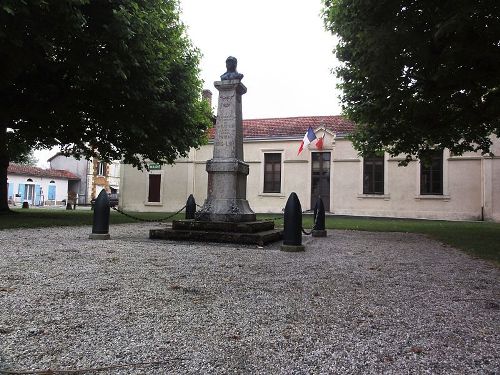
point(483, 192)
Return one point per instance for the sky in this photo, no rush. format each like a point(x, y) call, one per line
point(282, 48)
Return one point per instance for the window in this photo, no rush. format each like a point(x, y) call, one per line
point(272, 173)
point(101, 171)
point(154, 188)
point(431, 175)
point(373, 175)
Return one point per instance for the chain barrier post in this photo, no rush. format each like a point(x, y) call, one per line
point(292, 231)
point(319, 219)
point(190, 207)
point(100, 220)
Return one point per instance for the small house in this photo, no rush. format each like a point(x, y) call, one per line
point(38, 186)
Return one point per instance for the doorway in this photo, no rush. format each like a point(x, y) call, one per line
point(320, 178)
point(29, 193)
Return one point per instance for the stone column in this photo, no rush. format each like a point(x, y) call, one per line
point(227, 173)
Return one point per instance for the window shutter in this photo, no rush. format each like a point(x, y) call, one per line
point(38, 191)
point(52, 193)
point(11, 191)
point(21, 191)
point(154, 188)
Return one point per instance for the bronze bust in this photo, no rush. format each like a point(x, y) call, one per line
point(231, 73)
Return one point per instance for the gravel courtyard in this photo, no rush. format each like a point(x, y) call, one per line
point(353, 303)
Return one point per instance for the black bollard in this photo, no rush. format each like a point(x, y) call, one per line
point(100, 223)
point(319, 219)
point(292, 232)
point(190, 207)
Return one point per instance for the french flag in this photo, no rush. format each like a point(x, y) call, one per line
point(308, 138)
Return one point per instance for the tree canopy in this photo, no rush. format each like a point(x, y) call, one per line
point(114, 79)
point(419, 74)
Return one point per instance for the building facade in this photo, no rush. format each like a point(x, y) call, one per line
point(37, 186)
point(94, 176)
point(451, 187)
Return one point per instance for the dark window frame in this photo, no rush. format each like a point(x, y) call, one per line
point(373, 165)
point(153, 195)
point(431, 176)
point(272, 177)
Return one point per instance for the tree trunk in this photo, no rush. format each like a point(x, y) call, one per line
point(4, 164)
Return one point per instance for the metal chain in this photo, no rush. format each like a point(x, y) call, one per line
point(148, 220)
point(314, 225)
point(172, 215)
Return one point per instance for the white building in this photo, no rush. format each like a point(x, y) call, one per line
point(93, 174)
point(38, 186)
point(453, 187)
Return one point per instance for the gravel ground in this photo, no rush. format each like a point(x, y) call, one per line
point(353, 303)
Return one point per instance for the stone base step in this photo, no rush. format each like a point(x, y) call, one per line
point(260, 238)
point(222, 226)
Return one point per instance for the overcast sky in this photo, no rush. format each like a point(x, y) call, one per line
point(282, 49)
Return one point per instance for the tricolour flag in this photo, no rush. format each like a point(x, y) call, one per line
point(319, 142)
point(308, 138)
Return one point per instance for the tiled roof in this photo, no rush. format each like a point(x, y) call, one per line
point(26, 170)
point(290, 127)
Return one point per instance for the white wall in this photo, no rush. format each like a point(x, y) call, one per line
point(469, 182)
point(44, 182)
point(78, 167)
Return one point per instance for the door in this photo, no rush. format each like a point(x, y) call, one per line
point(29, 193)
point(320, 178)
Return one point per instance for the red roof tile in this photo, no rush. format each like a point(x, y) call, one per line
point(26, 170)
point(291, 126)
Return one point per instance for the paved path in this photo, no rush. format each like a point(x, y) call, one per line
point(354, 302)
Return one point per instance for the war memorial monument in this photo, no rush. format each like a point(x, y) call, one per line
point(226, 215)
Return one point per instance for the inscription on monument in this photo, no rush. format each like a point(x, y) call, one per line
point(225, 136)
point(226, 100)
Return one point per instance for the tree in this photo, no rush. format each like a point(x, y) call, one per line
point(26, 159)
point(19, 151)
point(112, 79)
point(419, 74)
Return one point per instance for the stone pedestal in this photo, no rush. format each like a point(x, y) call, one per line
point(318, 233)
point(258, 232)
point(227, 172)
point(226, 215)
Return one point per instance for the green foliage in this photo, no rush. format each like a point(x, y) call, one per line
point(19, 151)
point(107, 78)
point(25, 159)
point(419, 74)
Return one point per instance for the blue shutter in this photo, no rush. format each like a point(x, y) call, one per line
point(52, 193)
point(38, 191)
point(10, 193)
point(21, 191)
